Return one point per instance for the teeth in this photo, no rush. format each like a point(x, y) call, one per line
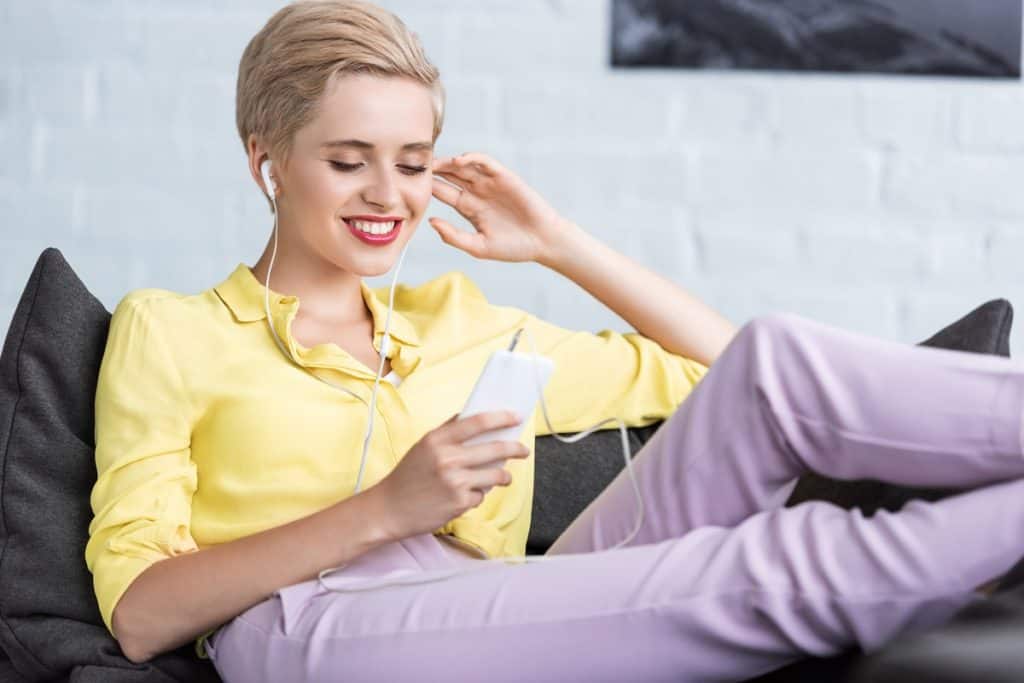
point(374, 228)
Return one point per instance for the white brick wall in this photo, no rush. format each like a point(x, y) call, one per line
point(886, 205)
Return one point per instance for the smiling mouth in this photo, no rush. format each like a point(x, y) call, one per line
point(374, 227)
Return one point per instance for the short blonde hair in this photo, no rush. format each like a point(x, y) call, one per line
point(288, 64)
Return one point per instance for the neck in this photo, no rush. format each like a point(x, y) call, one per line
point(325, 292)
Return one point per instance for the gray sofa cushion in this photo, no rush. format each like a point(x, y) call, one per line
point(8, 674)
point(50, 625)
point(981, 645)
point(568, 476)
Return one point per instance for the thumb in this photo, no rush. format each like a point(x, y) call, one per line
point(448, 423)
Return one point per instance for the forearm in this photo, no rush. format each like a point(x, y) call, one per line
point(175, 600)
point(653, 305)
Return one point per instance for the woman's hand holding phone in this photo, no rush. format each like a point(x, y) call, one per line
point(439, 478)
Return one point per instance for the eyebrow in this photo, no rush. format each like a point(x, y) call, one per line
point(362, 144)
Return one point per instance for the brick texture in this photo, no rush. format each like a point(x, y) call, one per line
point(885, 205)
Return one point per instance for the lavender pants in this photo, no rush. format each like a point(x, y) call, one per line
point(722, 582)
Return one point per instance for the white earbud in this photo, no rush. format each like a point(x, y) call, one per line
point(265, 171)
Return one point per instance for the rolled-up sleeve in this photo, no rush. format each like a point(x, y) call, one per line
point(141, 501)
point(607, 374)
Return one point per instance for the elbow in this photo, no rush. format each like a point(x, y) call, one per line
point(131, 647)
point(132, 651)
point(133, 656)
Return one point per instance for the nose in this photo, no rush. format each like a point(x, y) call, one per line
point(381, 189)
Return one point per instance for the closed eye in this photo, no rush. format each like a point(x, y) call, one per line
point(348, 168)
point(342, 166)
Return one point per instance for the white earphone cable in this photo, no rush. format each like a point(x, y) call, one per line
point(483, 563)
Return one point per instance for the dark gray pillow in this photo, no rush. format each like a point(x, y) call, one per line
point(982, 644)
point(8, 674)
point(50, 625)
point(568, 476)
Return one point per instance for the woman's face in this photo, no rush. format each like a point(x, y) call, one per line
point(368, 153)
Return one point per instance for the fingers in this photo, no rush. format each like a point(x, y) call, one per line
point(493, 454)
point(482, 163)
point(458, 176)
point(461, 430)
point(473, 244)
point(470, 167)
point(445, 192)
point(488, 479)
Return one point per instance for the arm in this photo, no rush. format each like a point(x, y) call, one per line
point(514, 223)
point(653, 305)
point(176, 599)
point(155, 587)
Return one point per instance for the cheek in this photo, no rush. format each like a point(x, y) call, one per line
point(320, 188)
point(338, 186)
point(420, 195)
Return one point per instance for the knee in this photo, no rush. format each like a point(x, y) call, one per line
point(762, 339)
point(774, 325)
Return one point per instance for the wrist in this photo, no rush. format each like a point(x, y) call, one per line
point(381, 525)
point(567, 239)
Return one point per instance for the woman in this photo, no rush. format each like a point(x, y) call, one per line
point(226, 480)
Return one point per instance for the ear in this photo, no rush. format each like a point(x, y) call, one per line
point(258, 153)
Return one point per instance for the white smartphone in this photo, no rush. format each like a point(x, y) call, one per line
point(509, 381)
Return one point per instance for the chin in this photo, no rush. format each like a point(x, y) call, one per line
point(382, 265)
point(374, 272)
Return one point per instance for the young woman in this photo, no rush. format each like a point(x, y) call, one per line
point(227, 474)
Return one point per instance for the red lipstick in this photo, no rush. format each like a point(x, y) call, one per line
point(376, 240)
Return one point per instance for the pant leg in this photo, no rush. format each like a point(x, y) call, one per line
point(790, 394)
point(715, 603)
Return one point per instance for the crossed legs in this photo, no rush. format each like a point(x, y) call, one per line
point(722, 582)
point(790, 395)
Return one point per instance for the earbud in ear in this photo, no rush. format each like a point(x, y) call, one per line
point(265, 171)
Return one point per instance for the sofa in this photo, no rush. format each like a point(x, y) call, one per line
point(50, 626)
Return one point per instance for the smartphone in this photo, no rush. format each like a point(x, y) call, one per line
point(509, 381)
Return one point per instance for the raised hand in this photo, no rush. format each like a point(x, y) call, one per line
point(512, 221)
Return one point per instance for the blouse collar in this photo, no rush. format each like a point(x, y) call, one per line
point(246, 297)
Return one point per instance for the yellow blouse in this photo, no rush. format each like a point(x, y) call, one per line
point(205, 433)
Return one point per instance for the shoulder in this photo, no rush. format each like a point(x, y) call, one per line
point(163, 308)
point(148, 301)
point(147, 295)
point(455, 285)
point(448, 291)
point(455, 300)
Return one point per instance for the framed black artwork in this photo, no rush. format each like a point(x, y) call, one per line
point(974, 38)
